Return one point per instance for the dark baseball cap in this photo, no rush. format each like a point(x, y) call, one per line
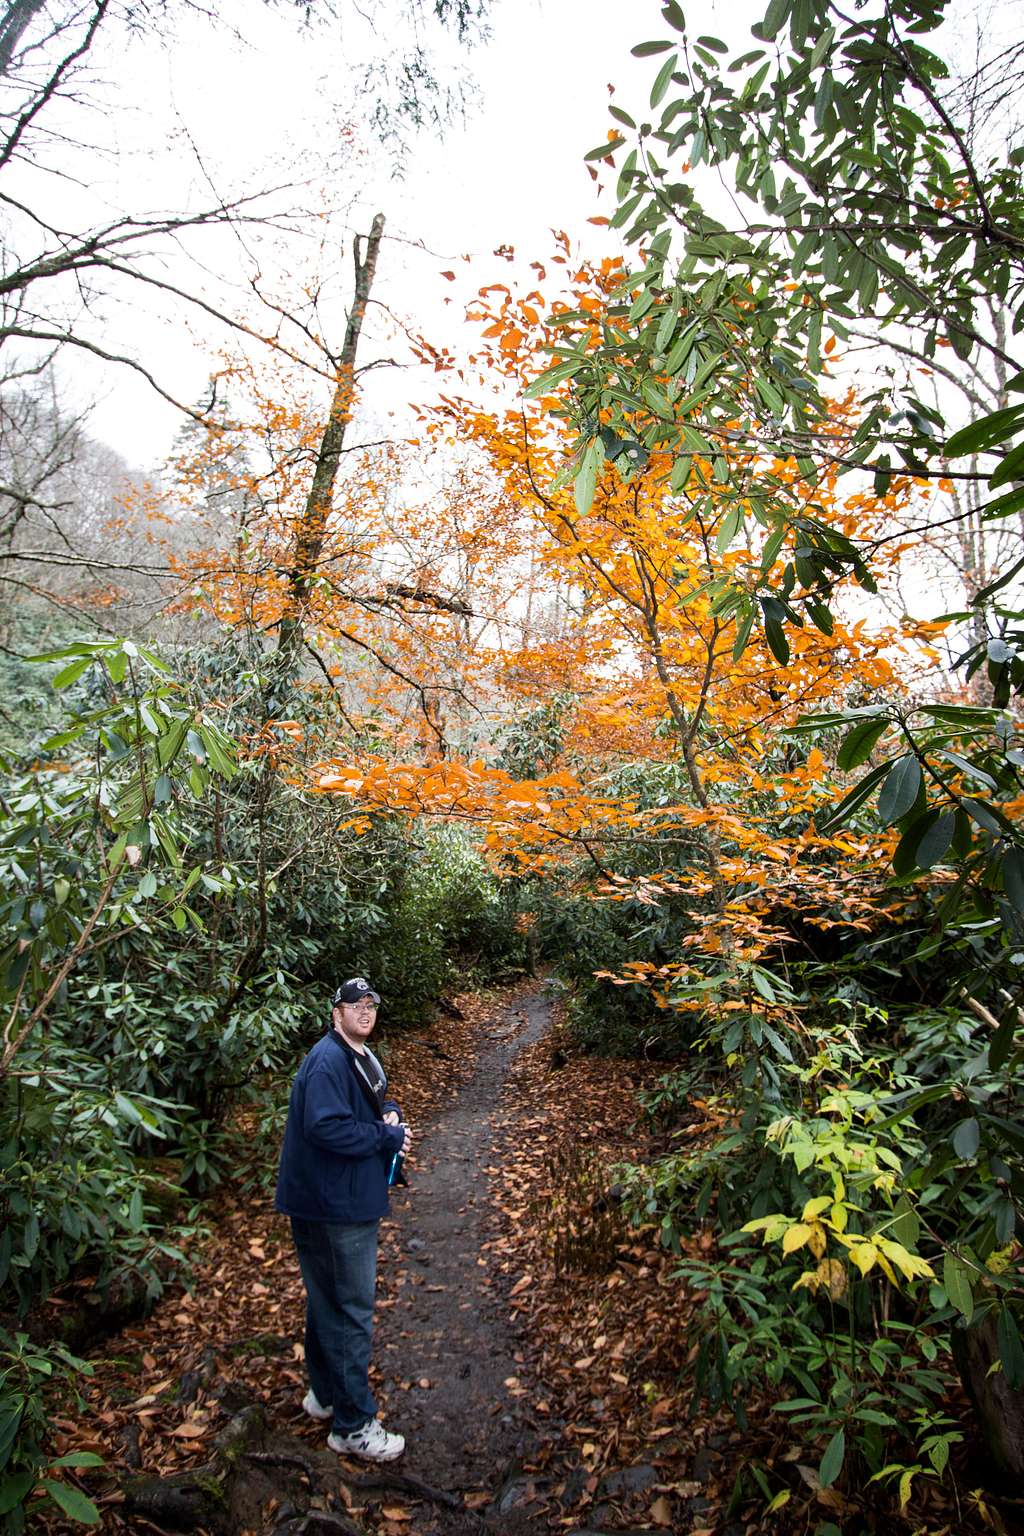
point(353, 991)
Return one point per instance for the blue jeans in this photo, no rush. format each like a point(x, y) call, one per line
point(339, 1268)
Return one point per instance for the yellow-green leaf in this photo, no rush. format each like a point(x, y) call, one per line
point(816, 1206)
point(865, 1256)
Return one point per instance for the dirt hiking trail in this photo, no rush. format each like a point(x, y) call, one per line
point(438, 1320)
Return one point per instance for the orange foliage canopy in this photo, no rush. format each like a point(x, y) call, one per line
point(462, 583)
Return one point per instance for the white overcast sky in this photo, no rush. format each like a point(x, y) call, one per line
point(273, 104)
point(259, 99)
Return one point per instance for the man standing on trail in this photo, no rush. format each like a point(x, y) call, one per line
point(341, 1143)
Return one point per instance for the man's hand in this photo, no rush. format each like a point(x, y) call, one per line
point(392, 1119)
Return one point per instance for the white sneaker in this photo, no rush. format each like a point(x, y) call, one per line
point(372, 1441)
point(314, 1407)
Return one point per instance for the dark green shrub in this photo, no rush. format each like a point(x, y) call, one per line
point(29, 1376)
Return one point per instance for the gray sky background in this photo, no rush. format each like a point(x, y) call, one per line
point(259, 101)
point(205, 108)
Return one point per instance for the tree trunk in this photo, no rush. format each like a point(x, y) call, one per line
point(308, 543)
point(999, 1409)
point(14, 19)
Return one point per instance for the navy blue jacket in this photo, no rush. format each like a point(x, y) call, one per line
point(336, 1153)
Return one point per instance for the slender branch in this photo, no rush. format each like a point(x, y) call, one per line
point(52, 85)
point(13, 1042)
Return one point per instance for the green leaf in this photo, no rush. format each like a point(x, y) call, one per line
point(11, 1410)
point(832, 1461)
point(822, 46)
point(1012, 468)
point(599, 151)
point(938, 1454)
point(967, 1139)
point(71, 674)
point(1013, 877)
point(13, 1490)
point(586, 478)
point(823, 100)
point(775, 18)
point(80, 648)
point(962, 714)
point(694, 441)
point(1011, 1351)
point(860, 743)
point(30, 1236)
point(682, 348)
point(772, 545)
point(900, 789)
point(934, 845)
point(135, 1211)
point(905, 857)
point(964, 765)
point(63, 738)
point(728, 528)
point(1003, 506)
point(215, 744)
point(645, 50)
point(987, 432)
point(117, 666)
point(906, 1226)
point(543, 384)
point(1005, 1222)
point(6, 1247)
point(763, 984)
point(989, 817)
point(1001, 1043)
point(956, 1282)
point(128, 1109)
point(79, 1459)
point(777, 642)
point(662, 79)
point(855, 798)
point(72, 1501)
point(743, 635)
point(821, 616)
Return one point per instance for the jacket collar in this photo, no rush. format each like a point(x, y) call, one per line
point(340, 1041)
